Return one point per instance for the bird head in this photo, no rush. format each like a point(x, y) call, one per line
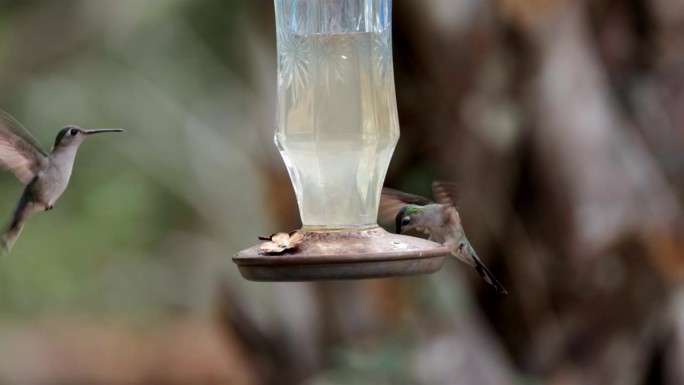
point(411, 217)
point(73, 135)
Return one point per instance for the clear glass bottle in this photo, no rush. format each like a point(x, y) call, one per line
point(336, 124)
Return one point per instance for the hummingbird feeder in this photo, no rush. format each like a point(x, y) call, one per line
point(336, 129)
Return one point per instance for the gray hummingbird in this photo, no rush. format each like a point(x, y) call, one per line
point(439, 218)
point(46, 175)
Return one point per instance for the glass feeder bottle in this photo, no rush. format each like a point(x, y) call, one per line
point(336, 123)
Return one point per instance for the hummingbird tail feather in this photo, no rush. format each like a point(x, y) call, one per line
point(12, 233)
point(488, 276)
point(467, 254)
point(9, 237)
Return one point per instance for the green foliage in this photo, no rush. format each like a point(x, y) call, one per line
point(165, 71)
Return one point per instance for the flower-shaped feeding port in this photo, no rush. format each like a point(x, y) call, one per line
point(279, 242)
point(336, 128)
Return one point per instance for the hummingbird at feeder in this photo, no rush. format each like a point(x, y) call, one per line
point(46, 175)
point(439, 218)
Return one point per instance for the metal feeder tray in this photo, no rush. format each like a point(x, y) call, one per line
point(341, 255)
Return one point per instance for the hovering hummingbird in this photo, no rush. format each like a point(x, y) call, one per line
point(46, 175)
point(440, 219)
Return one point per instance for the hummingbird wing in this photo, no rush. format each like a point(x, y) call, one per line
point(20, 152)
point(391, 202)
point(444, 192)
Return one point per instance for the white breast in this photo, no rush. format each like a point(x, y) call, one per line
point(54, 180)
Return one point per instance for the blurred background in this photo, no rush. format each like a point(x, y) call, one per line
point(561, 121)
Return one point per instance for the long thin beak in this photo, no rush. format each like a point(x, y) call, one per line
point(101, 130)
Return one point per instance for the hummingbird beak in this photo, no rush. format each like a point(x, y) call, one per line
point(101, 130)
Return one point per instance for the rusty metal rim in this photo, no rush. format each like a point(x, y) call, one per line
point(245, 258)
point(338, 272)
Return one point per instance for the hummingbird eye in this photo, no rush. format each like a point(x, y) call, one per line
point(73, 132)
point(405, 221)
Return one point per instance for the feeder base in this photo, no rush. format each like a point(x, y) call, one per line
point(342, 255)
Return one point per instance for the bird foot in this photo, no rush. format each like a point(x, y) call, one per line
point(48, 208)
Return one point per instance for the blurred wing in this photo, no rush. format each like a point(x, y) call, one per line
point(11, 125)
point(19, 151)
point(391, 202)
point(444, 192)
